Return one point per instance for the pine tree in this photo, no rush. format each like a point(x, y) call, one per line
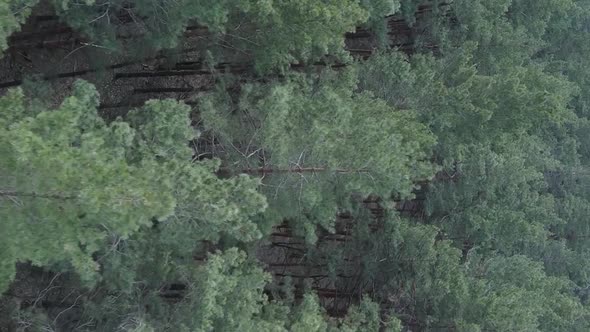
point(401, 265)
point(273, 33)
point(462, 105)
point(493, 201)
point(317, 142)
point(514, 293)
point(71, 182)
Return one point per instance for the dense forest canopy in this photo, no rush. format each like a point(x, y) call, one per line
point(309, 165)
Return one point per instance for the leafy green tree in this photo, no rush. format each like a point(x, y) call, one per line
point(226, 293)
point(71, 182)
point(514, 293)
point(462, 105)
point(366, 317)
point(377, 10)
point(510, 130)
point(505, 32)
point(416, 278)
point(315, 142)
point(274, 33)
point(563, 52)
point(152, 240)
point(409, 271)
point(493, 201)
point(130, 221)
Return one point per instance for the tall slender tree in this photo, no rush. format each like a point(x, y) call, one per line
point(70, 182)
point(315, 142)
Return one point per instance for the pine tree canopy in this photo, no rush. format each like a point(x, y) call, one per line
point(294, 165)
point(68, 174)
point(319, 140)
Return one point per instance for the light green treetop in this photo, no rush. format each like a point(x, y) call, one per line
point(70, 181)
point(315, 142)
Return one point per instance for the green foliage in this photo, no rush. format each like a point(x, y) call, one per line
point(505, 32)
point(318, 141)
point(55, 182)
point(130, 221)
point(298, 31)
point(377, 10)
point(70, 181)
point(514, 293)
point(363, 317)
point(508, 126)
point(493, 201)
point(463, 106)
point(487, 138)
point(223, 294)
point(405, 268)
point(275, 33)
